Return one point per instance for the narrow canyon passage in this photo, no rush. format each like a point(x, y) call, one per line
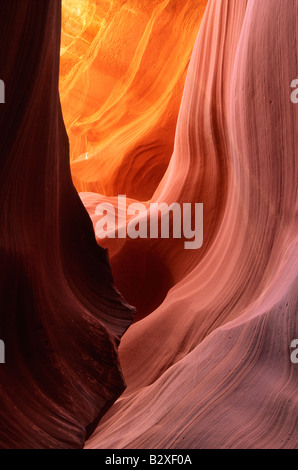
point(135, 343)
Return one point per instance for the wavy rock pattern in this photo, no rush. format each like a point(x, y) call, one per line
point(121, 91)
point(217, 350)
point(60, 317)
point(208, 363)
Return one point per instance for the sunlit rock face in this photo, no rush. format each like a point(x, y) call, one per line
point(60, 317)
point(123, 66)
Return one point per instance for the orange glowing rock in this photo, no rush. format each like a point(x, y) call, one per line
point(122, 72)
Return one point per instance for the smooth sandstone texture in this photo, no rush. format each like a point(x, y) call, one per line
point(199, 170)
point(60, 317)
point(210, 367)
point(123, 67)
point(208, 363)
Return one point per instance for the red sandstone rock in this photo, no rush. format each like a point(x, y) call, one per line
point(60, 317)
